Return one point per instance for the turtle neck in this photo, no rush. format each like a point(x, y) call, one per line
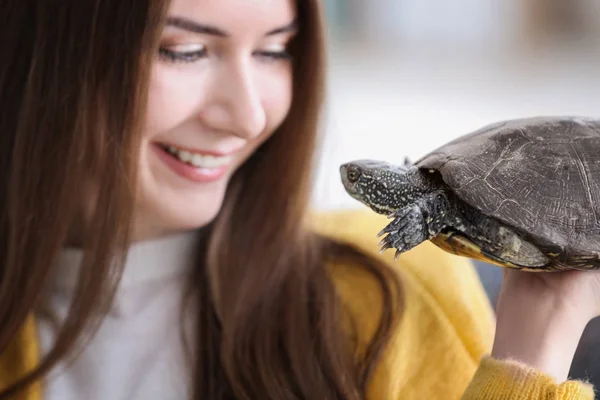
point(136, 353)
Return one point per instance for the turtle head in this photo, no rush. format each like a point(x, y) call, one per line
point(382, 186)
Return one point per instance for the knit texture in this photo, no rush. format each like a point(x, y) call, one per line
point(517, 381)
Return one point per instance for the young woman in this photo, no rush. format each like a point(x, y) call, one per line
point(156, 242)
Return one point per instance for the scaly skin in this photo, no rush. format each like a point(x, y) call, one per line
point(422, 206)
point(418, 205)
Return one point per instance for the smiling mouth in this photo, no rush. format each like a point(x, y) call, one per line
point(197, 160)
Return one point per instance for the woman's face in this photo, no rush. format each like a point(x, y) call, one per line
point(220, 86)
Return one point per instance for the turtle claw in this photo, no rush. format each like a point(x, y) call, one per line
point(390, 228)
point(404, 232)
point(397, 255)
point(385, 247)
point(387, 243)
point(392, 241)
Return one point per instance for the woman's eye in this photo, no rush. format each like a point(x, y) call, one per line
point(188, 53)
point(275, 53)
point(182, 53)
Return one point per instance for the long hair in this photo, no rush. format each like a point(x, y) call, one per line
point(73, 86)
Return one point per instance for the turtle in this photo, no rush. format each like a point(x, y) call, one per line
point(521, 193)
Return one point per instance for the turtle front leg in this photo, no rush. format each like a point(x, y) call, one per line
point(416, 223)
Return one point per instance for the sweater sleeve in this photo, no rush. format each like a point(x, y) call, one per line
point(511, 380)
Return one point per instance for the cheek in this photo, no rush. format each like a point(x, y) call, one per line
point(170, 99)
point(277, 97)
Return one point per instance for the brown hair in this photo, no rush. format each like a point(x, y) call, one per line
point(73, 85)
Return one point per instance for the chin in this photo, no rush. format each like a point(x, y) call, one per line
point(192, 217)
point(176, 211)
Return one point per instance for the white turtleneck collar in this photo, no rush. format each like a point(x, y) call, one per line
point(148, 262)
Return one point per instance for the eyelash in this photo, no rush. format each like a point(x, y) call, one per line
point(192, 56)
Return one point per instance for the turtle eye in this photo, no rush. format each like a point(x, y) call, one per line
point(353, 175)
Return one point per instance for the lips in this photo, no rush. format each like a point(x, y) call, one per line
point(198, 159)
point(193, 166)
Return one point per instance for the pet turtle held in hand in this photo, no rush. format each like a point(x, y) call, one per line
point(522, 193)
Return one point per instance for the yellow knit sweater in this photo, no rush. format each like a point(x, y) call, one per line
point(439, 350)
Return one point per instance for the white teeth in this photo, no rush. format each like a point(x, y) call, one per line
point(198, 160)
point(185, 156)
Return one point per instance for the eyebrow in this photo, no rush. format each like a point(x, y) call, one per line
point(196, 27)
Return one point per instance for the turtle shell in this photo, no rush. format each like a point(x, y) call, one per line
point(539, 175)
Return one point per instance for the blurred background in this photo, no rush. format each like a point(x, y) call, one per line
point(406, 76)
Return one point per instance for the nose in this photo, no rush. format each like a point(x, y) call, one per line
point(235, 104)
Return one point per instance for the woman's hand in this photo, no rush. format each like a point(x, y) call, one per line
point(541, 317)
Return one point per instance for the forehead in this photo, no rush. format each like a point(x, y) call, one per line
point(237, 17)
